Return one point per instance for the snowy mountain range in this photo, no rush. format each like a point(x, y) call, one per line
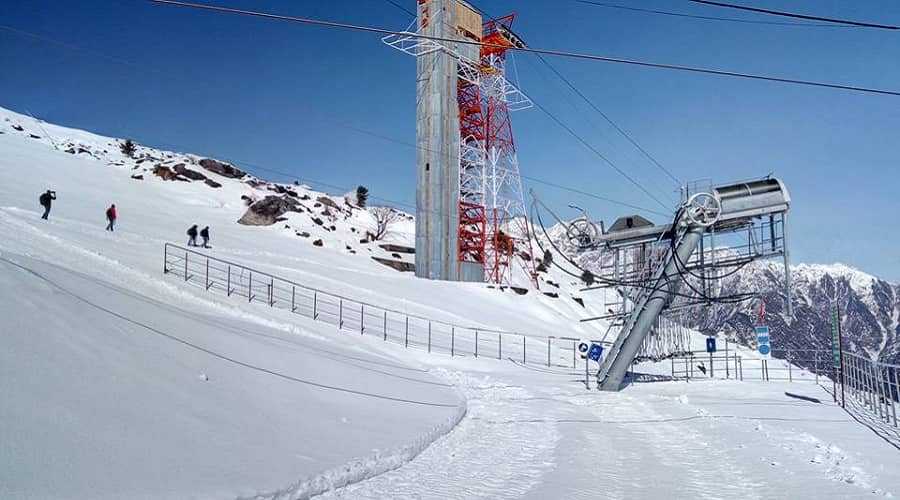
point(869, 308)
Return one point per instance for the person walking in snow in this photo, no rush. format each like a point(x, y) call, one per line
point(192, 236)
point(204, 233)
point(46, 200)
point(111, 217)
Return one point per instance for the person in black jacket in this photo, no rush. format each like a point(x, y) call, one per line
point(46, 200)
point(204, 233)
point(192, 236)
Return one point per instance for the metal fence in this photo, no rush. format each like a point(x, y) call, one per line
point(351, 315)
point(782, 366)
point(873, 386)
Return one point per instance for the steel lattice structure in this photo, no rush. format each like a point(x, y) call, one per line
point(493, 230)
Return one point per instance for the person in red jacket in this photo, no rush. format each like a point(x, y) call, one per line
point(111, 217)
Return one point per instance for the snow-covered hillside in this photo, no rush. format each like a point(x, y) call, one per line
point(117, 381)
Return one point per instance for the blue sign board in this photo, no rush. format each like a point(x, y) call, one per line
point(596, 352)
point(762, 341)
point(710, 344)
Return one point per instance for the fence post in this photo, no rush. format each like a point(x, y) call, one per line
point(228, 284)
point(340, 314)
point(406, 339)
point(250, 288)
point(429, 335)
point(790, 375)
point(523, 350)
point(293, 298)
point(186, 266)
point(166, 258)
point(452, 341)
point(271, 292)
point(741, 363)
point(206, 281)
point(385, 325)
point(548, 351)
point(817, 369)
point(574, 356)
point(315, 305)
point(476, 343)
point(499, 346)
point(892, 374)
point(362, 318)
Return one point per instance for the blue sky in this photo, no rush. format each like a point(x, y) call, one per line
point(294, 98)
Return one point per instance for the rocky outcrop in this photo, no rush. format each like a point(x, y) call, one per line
point(267, 211)
point(399, 265)
point(222, 169)
point(193, 175)
point(167, 174)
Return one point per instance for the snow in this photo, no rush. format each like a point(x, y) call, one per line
point(120, 382)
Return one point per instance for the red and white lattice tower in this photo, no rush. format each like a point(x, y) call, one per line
point(471, 219)
point(508, 237)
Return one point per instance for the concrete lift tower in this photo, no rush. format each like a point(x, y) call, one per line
point(470, 210)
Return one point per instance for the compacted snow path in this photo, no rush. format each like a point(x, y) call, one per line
point(536, 433)
point(479, 458)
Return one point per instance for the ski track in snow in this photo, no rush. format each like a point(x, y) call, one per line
point(476, 460)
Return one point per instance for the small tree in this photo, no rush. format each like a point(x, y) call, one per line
point(128, 148)
point(385, 217)
point(362, 195)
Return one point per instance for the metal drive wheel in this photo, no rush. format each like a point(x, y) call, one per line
point(703, 209)
point(582, 233)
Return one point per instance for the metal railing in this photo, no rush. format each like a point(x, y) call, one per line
point(364, 318)
point(873, 386)
point(784, 365)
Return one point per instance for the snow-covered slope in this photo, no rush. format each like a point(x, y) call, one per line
point(118, 382)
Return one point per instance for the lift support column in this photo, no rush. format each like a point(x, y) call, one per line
point(664, 285)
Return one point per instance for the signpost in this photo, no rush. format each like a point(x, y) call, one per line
point(711, 348)
point(837, 352)
point(595, 352)
point(763, 347)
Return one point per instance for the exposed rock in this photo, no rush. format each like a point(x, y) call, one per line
point(328, 202)
point(18, 127)
point(33, 136)
point(519, 290)
point(579, 300)
point(193, 175)
point(552, 295)
point(318, 243)
point(396, 264)
point(222, 169)
point(138, 177)
point(396, 256)
point(212, 183)
point(247, 200)
point(318, 221)
point(303, 234)
point(167, 174)
point(397, 248)
point(281, 219)
point(267, 211)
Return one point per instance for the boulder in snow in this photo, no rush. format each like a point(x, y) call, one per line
point(222, 169)
point(266, 212)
